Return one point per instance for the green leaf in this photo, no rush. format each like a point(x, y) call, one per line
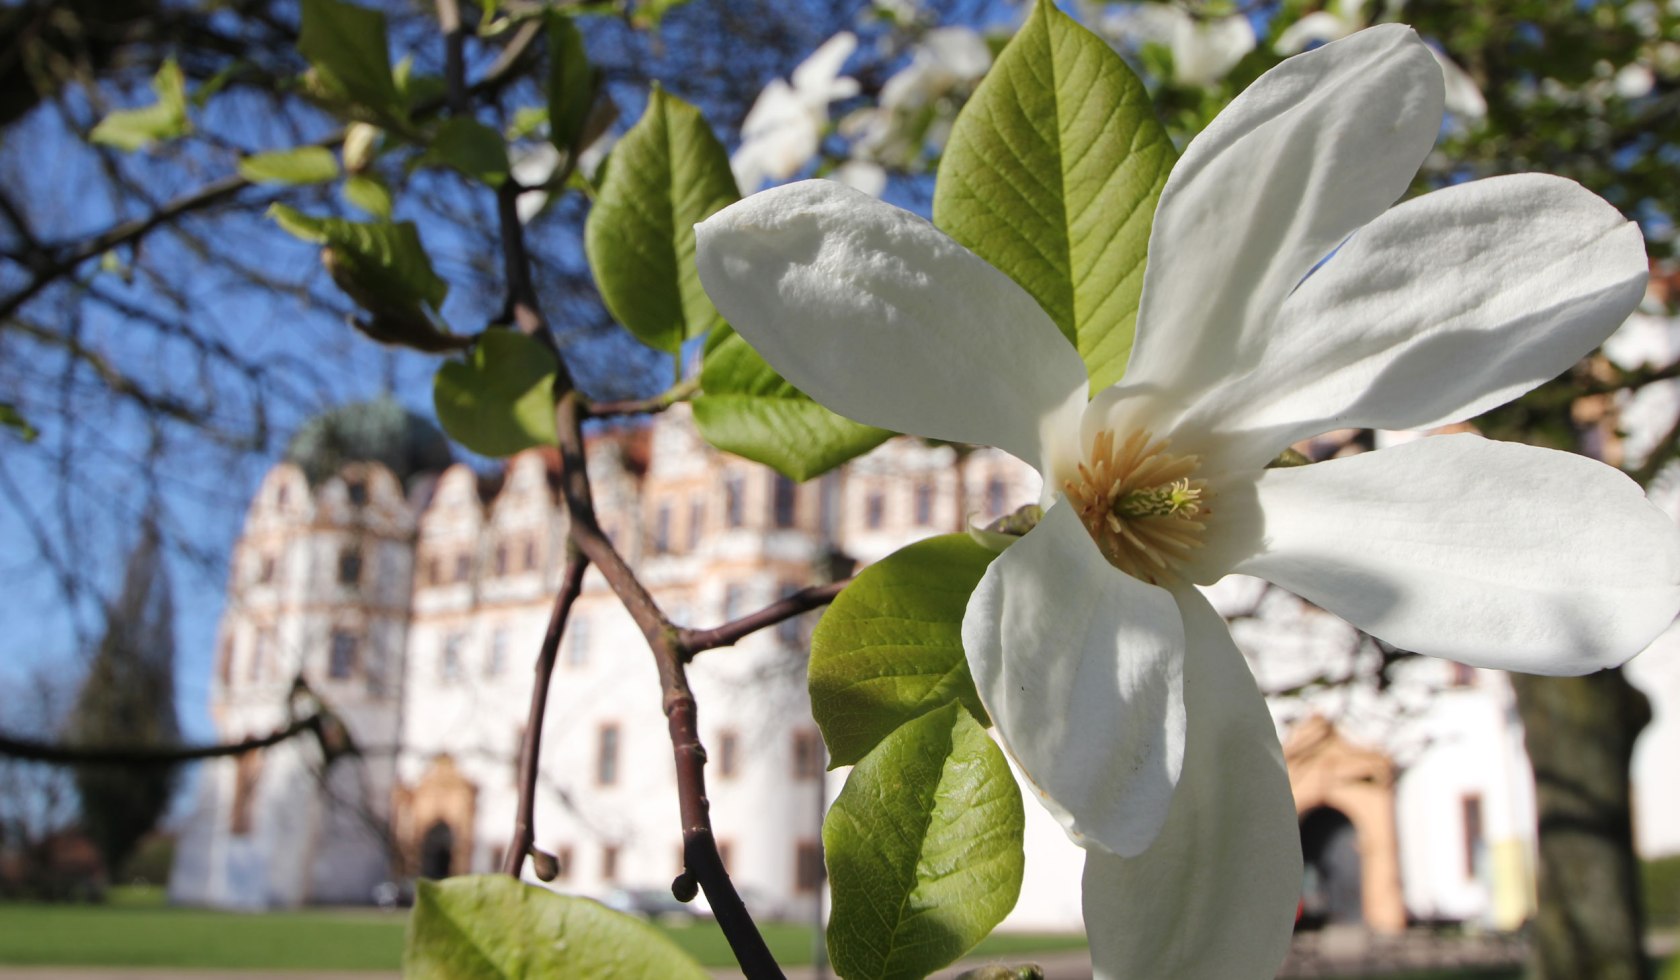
point(666, 174)
point(383, 259)
point(302, 165)
point(1052, 173)
point(747, 409)
point(134, 129)
point(924, 849)
point(13, 419)
point(471, 148)
point(490, 927)
point(571, 83)
point(889, 648)
point(369, 194)
point(346, 45)
point(501, 398)
point(526, 120)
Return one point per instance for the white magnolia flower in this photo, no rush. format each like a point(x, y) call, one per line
point(1203, 49)
point(919, 100)
point(784, 127)
point(1111, 681)
point(1341, 18)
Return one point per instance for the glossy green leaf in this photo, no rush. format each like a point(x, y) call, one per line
point(13, 419)
point(526, 120)
point(571, 83)
point(369, 194)
point(345, 42)
point(501, 398)
point(749, 410)
point(164, 119)
point(302, 165)
point(470, 148)
point(382, 259)
point(666, 174)
point(889, 648)
point(1052, 173)
point(924, 849)
point(492, 927)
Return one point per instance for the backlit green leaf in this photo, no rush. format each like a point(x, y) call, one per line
point(13, 419)
point(492, 927)
point(369, 194)
point(1052, 173)
point(501, 398)
point(384, 259)
point(301, 165)
point(666, 174)
point(346, 44)
point(889, 648)
point(749, 410)
point(470, 148)
point(165, 119)
point(571, 83)
point(924, 849)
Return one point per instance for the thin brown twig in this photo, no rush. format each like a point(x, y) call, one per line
point(679, 392)
point(53, 752)
point(692, 641)
point(530, 749)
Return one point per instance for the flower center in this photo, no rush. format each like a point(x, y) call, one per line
point(1143, 505)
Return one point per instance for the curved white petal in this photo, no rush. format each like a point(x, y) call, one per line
point(1204, 51)
point(1214, 897)
point(1446, 306)
point(1316, 27)
point(1080, 667)
point(818, 77)
point(883, 318)
point(1314, 149)
point(1489, 553)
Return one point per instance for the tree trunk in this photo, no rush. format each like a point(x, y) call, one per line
point(1580, 733)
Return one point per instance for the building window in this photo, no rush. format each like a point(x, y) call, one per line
point(997, 497)
point(734, 601)
point(356, 490)
point(496, 663)
point(530, 554)
point(341, 659)
point(728, 754)
point(245, 773)
point(874, 510)
point(224, 660)
point(501, 560)
point(696, 521)
point(807, 755)
point(924, 504)
point(577, 642)
point(784, 500)
point(350, 566)
point(609, 862)
point(563, 862)
point(434, 570)
point(606, 755)
point(262, 656)
point(734, 501)
point(463, 566)
point(662, 530)
point(807, 866)
point(282, 495)
point(1471, 806)
point(723, 850)
point(265, 569)
point(788, 629)
point(449, 661)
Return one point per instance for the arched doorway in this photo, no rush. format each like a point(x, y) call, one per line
point(437, 851)
point(1332, 890)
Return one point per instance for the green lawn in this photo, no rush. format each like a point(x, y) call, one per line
point(136, 928)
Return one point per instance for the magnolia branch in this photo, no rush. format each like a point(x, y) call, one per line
point(692, 641)
point(530, 749)
point(144, 755)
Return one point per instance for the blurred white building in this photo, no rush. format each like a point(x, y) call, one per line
point(413, 594)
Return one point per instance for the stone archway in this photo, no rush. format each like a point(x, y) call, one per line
point(1347, 794)
point(1332, 891)
point(435, 820)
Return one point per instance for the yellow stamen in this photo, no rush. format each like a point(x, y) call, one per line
point(1144, 507)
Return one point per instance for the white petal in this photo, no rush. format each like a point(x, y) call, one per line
point(1214, 898)
point(883, 318)
point(818, 77)
point(1314, 28)
point(1443, 308)
point(1464, 96)
point(1489, 553)
point(1080, 667)
point(1203, 51)
point(1315, 148)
